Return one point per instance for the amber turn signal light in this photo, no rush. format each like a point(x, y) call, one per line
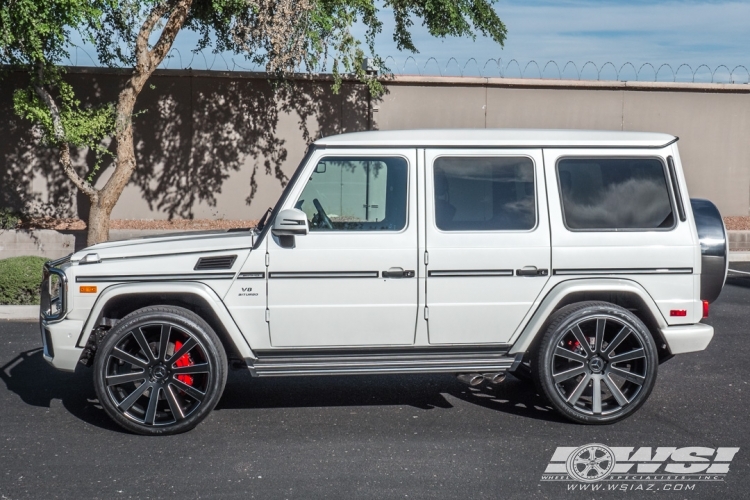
point(88, 289)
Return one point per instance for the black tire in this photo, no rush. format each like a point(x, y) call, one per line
point(595, 344)
point(158, 385)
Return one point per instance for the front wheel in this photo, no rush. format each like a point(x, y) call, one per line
point(161, 370)
point(596, 363)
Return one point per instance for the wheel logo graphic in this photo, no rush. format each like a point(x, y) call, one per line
point(590, 463)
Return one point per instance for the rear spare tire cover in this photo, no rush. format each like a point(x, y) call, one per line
point(714, 248)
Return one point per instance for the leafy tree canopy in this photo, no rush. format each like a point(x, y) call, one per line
point(282, 35)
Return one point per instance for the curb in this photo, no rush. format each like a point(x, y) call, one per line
point(19, 312)
point(739, 240)
point(739, 256)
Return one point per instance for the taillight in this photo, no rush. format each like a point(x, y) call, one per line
point(678, 312)
point(705, 309)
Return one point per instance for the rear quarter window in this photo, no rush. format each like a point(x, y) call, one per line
point(611, 194)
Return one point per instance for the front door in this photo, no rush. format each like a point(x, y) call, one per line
point(352, 280)
point(488, 242)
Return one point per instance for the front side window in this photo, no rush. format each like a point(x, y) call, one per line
point(356, 194)
point(484, 193)
point(614, 193)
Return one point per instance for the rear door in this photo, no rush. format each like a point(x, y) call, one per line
point(487, 240)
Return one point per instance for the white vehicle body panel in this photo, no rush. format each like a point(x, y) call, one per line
point(558, 288)
point(168, 246)
point(664, 261)
point(328, 290)
point(201, 290)
point(474, 294)
point(494, 138)
point(247, 300)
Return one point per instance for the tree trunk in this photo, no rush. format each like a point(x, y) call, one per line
point(146, 63)
point(98, 223)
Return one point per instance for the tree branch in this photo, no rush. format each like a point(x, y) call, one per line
point(59, 133)
point(168, 34)
point(142, 55)
point(146, 63)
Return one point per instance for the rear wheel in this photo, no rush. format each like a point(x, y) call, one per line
point(596, 363)
point(161, 370)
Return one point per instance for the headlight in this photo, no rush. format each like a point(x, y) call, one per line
point(54, 291)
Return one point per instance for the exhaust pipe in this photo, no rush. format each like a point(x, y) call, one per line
point(471, 379)
point(495, 378)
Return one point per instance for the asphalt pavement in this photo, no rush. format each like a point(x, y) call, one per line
point(418, 436)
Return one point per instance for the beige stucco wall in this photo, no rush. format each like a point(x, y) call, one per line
point(712, 121)
point(205, 134)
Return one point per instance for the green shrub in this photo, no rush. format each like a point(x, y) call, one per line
point(8, 218)
point(20, 278)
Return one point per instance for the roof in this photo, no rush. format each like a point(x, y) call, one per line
point(498, 138)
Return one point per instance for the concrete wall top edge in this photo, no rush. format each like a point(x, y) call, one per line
point(467, 81)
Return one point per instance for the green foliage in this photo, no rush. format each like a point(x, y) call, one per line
point(20, 278)
point(329, 29)
point(34, 36)
point(284, 35)
point(8, 219)
point(35, 33)
point(325, 29)
point(80, 126)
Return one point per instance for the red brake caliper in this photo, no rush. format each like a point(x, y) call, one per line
point(183, 361)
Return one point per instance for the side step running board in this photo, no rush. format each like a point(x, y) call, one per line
point(483, 361)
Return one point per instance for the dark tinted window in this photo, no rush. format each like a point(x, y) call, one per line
point(356, 194)
point(611, 193)
point(484, 193)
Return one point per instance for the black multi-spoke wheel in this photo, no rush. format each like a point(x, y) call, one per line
point(596, 363)
point(160, 370)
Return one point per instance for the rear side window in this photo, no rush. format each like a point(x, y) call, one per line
point(614, 194)
point(484, 193)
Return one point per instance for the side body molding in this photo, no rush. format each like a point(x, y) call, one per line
point(199, 290)
point(566, 288)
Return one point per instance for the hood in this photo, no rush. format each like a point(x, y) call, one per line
point(173, 244)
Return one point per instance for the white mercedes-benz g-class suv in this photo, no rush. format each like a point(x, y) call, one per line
point(574, 256)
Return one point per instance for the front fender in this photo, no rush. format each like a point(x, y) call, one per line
point(548, 305)
point(198, 290)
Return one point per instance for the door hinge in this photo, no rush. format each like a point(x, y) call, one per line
point(268, 316)
point(426, 312)
point(426, 257)
point(268, 259)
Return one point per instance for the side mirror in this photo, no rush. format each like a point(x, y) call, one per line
point(290, 222)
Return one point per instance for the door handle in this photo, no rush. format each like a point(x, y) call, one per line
point(397, 272)
point(531, 271)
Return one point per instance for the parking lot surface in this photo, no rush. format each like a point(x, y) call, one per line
point(418, 436)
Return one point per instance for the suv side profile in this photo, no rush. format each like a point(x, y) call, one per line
point(576, 257)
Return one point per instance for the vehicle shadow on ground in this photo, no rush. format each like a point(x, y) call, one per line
point(738, 280)
point(30, 377)
point(425, 391)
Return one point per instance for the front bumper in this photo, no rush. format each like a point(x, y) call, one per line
point(688, 338)
point(59, 341)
